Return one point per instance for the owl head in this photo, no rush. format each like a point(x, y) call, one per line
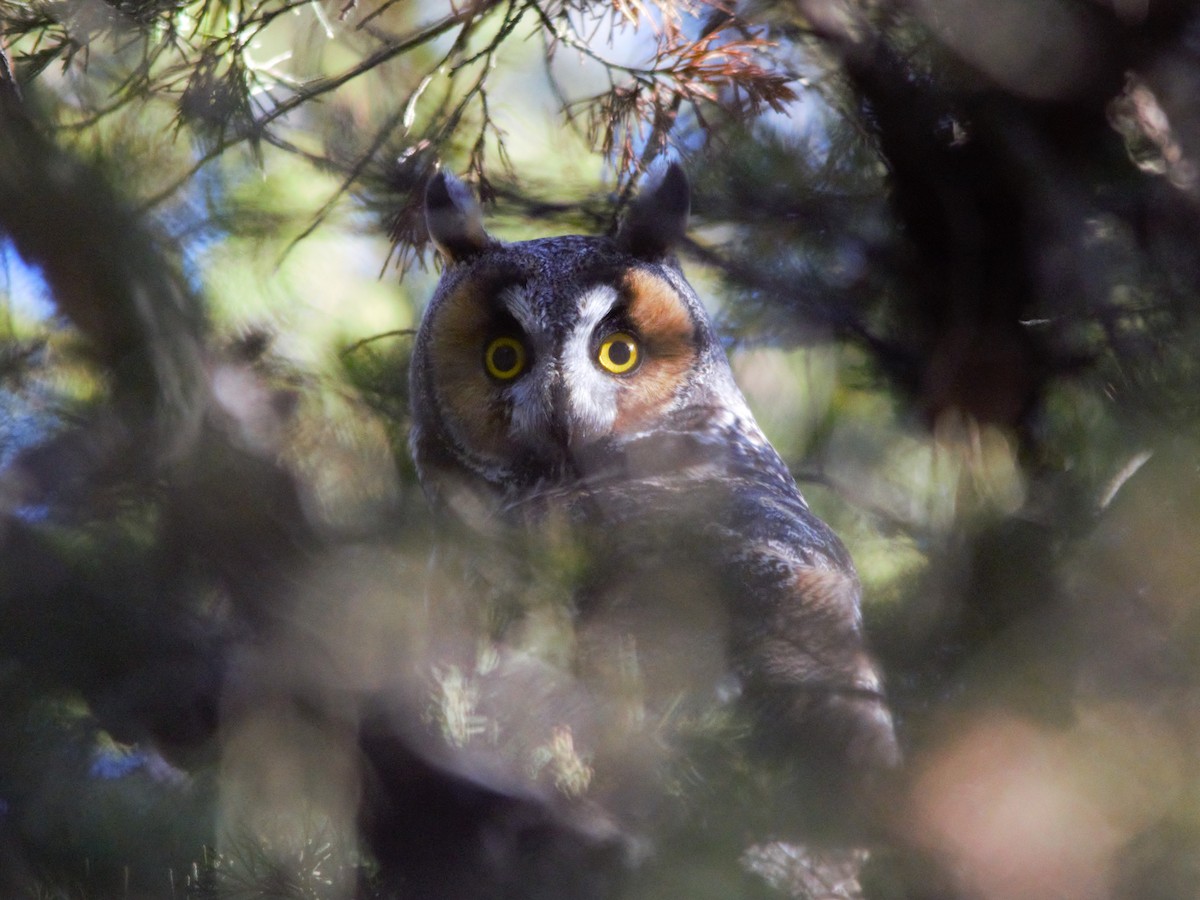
point(536, 361)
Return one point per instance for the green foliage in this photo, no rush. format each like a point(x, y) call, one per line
point(955, 266)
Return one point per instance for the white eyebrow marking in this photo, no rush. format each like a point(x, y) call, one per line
point(517, 301)
point(594, 304)
point(592, 396)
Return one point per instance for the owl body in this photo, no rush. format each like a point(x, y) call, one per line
point(575, 385)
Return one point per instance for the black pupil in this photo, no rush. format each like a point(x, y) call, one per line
point(619, 352)
point(505, 358)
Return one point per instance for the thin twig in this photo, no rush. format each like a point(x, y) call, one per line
point(362, 342)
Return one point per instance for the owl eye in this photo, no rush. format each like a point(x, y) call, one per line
point(504, 358)
point(618, 353)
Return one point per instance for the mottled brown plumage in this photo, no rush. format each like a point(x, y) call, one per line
point(573, 389)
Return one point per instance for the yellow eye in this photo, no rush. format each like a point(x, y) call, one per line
point(504, 358)
point(618, 353)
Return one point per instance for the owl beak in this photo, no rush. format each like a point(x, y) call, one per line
point(560, 430)
point(540, 422)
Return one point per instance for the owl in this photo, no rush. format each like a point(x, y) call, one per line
point(575, 386)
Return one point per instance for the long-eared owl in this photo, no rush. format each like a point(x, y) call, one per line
point(575, 385)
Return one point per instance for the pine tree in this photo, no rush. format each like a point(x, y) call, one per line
point(952, 249)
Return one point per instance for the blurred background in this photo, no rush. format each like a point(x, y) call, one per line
point(951, 246)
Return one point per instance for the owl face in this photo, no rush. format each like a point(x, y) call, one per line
point(531, 356)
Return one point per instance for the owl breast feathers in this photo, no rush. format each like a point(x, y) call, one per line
point(578, 380)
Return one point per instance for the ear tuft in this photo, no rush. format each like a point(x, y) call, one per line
point(658, 216)
point(454, 219)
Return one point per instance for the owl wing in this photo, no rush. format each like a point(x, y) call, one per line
point(796, 624)
point(720, 499)
point(796, 636)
